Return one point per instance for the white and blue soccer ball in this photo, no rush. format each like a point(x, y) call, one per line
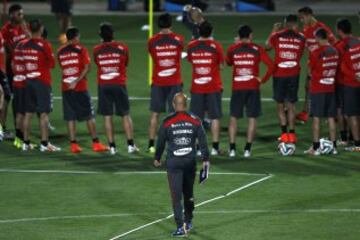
point(326, 146)
point(286, 149)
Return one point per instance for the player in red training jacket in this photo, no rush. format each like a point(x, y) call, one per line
point(165, 49)
point(38, 60)
point(350, 69)
point(311, 25)
point(111, 58)
point(289, 45)
point(245, 57)
point(74, 61)
point(206, 58)
point(323, 66)
point(13, 31)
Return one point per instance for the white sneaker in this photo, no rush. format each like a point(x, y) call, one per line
point(313, 152)
point(25, 147)
point(133, 149)
point(247, 153)
point(232, 153)
point(334, 152)
point(1, 136)
point(214, 152)
point(49, 148)
point(112, 150)
point(198, 153)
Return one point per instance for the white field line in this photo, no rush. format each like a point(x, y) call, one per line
point(197, 205)
point(5, 170)
point(215, 212)
point(226, 99)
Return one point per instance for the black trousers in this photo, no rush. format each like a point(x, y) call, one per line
point(181, 178)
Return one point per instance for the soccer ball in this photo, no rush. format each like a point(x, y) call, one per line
point(326, 146)
point(286, 149)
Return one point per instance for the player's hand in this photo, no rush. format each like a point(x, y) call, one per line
point(277, 26)
point(358, 77)
point(157, 163)
point(258, 79)
point(73, 84)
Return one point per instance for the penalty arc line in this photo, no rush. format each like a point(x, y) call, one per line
point(197, 205)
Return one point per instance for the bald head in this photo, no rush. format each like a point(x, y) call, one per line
point(180, 102)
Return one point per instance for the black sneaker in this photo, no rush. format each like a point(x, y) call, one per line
point(180, 232)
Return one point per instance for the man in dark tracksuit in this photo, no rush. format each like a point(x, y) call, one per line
point(180, 130)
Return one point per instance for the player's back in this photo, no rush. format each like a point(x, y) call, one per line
point(112, 59)
point(206, 56)
point(245, 59)
point(18, 66)
point(351, 62)
point(38, 59)
point(289, 48)
point(323, 63)
point(165, 50)
point(72, 60)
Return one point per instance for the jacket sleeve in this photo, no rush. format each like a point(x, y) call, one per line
point(160, 145)
point(203, 143)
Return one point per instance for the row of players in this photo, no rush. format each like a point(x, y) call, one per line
point(32, 59)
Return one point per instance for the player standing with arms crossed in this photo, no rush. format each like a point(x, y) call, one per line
point(206, 58)
point(38, 59)
point(310, 26)
point(323, 65)
point(245, 57)
point(289, 45)
point(181, 130)
point(350, 68)
point(112, 58)
point(74, 61)
point(165, 49)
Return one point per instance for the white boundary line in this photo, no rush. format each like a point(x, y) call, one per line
point(238, 211)
point(226, 99)
point(5, 170)
point(197, 205)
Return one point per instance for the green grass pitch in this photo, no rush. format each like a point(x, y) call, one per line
point(307, 197)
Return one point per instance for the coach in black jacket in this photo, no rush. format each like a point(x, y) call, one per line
point(180, 130)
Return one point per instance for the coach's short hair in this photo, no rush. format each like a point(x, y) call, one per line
point(106, 31)
point(72, 32)
point(344, 25)
point(164, 21)
point(35, 25)
point(14, 8)
point(321, 33)
point(244, 31)
point(306, 10)
point(291, 18)
point(205, 29)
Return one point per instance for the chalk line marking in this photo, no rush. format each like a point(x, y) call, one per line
point(5, 170)
point(215, 212)
point(226, 99)
point(197, 205)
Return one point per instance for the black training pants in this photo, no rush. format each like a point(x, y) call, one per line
point(181, 176)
